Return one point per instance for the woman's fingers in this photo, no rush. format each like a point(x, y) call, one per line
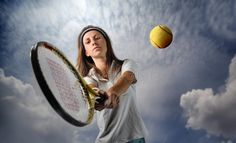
point(112, 101)
point(99, 107)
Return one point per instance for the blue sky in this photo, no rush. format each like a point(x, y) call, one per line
point(186, 92)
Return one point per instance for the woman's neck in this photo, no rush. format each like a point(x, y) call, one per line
point(102, 66)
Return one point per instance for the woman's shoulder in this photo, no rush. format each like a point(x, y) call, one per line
point(129, 65)
point(129, 61)
point(91, 77)
point(92, 73)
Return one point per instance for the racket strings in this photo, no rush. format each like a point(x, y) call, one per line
point(88, 98)
point(68, 92)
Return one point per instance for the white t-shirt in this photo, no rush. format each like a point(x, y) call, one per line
point(123, 123)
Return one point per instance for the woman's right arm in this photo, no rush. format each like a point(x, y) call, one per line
point(98, 106)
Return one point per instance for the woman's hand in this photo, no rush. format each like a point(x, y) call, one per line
point(100, 100)
point(99, 107)
point(106, 100)
point(113, 99)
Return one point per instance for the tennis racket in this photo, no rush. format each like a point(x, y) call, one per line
point(64, 88)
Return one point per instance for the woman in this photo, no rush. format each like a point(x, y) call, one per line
point(118, 119)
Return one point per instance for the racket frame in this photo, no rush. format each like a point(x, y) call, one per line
point(89, 92)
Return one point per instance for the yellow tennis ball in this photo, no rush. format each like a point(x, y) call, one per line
point(161, 36)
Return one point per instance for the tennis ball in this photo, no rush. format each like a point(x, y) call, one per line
point(161, 36)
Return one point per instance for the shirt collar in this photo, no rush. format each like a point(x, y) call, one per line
point(98, 77)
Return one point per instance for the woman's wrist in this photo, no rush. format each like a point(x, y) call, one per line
point(113, 90)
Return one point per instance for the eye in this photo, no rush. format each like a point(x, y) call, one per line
point(97, 37)
point(87, 41)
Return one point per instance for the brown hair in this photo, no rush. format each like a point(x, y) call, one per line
point(85, 63)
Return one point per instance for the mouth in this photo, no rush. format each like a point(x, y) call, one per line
point(96, 48)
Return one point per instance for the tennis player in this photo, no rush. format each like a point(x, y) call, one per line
point(118, 119)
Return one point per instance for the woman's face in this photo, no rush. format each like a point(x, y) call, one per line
point(95, 44)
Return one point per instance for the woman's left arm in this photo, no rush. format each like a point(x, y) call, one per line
point(122, 84)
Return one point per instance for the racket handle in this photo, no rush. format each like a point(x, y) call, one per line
point(101, 99)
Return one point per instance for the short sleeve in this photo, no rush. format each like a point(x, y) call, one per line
point(90, 80)
point(129, 65)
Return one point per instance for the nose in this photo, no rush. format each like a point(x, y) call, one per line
point(94, 42)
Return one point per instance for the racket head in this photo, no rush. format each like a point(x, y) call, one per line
point(63, 87)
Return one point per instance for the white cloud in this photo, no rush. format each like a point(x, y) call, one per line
point(213, 112)
point(27, 117)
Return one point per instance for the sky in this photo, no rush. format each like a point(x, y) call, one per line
point(186, 93)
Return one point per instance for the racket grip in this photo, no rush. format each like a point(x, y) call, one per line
point(101, 99)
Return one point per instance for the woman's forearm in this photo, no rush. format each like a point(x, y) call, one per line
point(123, 83)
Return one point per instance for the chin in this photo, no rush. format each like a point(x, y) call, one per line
point(99, 56)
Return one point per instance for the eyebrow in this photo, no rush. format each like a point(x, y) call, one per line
point(92, 36)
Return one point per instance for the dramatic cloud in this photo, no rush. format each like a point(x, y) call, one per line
point(26, 117)
point(223, 28)
point(213, 112)
point(128, 24)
